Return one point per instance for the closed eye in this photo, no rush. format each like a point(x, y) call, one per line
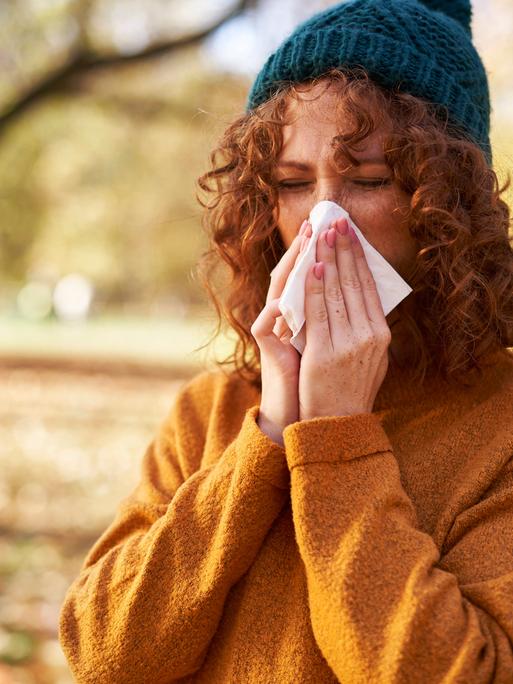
point(291, 185)
point(373, 183)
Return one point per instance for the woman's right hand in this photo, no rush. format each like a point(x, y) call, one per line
point(279, 360)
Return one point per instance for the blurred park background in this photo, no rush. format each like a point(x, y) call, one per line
point(108, 112)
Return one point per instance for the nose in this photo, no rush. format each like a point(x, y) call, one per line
point(332, 197)
point(332, 189)
point(339, 197)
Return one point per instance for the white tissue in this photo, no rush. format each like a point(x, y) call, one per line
point(392, 289)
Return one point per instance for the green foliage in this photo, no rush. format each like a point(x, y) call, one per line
point(102, 182)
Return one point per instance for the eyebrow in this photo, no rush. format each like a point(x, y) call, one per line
point(292, 163)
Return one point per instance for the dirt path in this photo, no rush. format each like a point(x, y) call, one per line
point(73, 436)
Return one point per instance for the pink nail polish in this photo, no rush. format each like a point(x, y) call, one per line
point(353, 235)
point(342, 226)
point(331, 237)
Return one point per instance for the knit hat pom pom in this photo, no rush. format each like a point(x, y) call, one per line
point(456, 9)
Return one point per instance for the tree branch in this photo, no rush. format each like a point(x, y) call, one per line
point(83, 61)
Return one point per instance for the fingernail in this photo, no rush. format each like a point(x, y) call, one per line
point(318, 270)
point(331, 237)
point(353, 235)
point(342, 226)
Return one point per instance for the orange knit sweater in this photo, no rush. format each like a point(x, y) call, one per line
point(372, 548)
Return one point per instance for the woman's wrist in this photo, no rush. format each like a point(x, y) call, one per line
point(270, 428)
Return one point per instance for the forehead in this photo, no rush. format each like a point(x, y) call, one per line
point(317, 117)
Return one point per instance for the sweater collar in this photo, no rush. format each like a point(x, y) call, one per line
point(399, 387)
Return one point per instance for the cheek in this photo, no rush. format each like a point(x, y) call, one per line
point(293, 211)
point(384, 222)
point(397, 246)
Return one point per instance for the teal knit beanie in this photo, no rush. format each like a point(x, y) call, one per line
point(422, 47)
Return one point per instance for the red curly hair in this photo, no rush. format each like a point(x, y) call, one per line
point(463, 277)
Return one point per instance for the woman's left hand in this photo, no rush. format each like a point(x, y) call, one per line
point(345, 358)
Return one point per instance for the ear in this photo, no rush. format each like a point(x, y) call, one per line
point(460, 10)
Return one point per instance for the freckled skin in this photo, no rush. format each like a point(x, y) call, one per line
point(380, 213)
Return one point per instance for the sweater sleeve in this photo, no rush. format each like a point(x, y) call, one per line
point(151, 591)
point(385, 605)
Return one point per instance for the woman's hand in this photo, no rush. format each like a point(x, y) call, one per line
point(279, 360)
point(345, 359)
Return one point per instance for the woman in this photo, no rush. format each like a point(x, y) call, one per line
point(345, 515)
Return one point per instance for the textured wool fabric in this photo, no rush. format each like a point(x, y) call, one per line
point(421, 47)
point(374, 548)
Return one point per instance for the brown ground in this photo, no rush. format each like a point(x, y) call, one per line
point(72, 438)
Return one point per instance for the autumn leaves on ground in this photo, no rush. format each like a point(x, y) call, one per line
point(72, 442)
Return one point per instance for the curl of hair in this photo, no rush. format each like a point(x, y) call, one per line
point(463, 276)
